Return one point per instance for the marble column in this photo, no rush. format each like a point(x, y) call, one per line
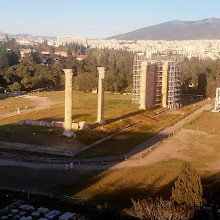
point(100, 116)
point(68, 103)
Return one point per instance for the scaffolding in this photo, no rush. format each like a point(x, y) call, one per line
point(174, 86)
point(138, 59)
point(159, 75)
point(167, 86)
point(217, 100)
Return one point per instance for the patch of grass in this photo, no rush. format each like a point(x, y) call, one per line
point(206, 121)
point(84, 109)
point(119, 186)
point(119, 113)
point(202, 149)
point(10, 105)
point(123, 143)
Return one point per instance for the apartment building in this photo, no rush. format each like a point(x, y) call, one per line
point(62, 40)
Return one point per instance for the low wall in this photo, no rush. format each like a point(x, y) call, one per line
point(54, 124)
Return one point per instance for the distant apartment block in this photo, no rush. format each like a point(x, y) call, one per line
point(24, 51)
point(61, 53)
point(2, 36)
point(71, 39)
point(156, 82)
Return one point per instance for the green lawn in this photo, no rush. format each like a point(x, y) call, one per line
point(124, 142)
point(10, 105)
point(207, 121)
point(119, 113)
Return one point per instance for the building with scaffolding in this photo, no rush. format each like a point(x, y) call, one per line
point(217, 101)
point(156, 82)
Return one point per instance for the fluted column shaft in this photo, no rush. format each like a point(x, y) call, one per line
point(68, 103)
point(100, 115)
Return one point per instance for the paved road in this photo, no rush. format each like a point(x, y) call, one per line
point(108, 162)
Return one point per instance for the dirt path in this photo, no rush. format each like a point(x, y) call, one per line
point(176, 147)
point(40, 103)
point(144, 147)
point(179, 147)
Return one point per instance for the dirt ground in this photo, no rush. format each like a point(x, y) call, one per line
point(128, 179)
point(186, 145)
point(40, 103)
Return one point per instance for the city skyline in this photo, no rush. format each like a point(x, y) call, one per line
point(97, 19)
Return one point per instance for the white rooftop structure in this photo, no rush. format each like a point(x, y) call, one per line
point(71, 39)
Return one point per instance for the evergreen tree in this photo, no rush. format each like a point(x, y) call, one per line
point(3, 58)
point(188, 188)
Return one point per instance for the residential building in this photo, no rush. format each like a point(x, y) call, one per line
point(71, 39)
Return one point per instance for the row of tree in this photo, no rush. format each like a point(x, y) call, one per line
point(201, 77)
point(36, 70)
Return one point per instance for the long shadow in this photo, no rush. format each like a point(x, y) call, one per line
point(73, 182)
point(129, 115)
point(117, 148)
point(8, 95)
point(189, 99)
point(104, 203)
point(124, 116)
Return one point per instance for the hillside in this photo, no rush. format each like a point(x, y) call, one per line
point(176, 30)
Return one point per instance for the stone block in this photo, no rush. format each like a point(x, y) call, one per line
point(83, 125)
point(45, 123)
point(53, 124)
point(75, 126)
point(27, 121)
point(21, 122)
point(48, 125)
point(62, 124)
point(41, 123)
point(57, 124)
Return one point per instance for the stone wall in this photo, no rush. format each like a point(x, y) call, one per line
point(54, 124)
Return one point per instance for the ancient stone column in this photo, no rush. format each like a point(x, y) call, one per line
point(100, 116)
point(68, 103)
point(143, 86)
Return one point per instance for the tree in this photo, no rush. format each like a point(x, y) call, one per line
point(85, 81)
point(188, 188)
point(12, 58)
point(16, 86)
point(3, 58)
point(185, 200)
point(157, 209)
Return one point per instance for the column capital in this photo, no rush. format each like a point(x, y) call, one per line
point(101, 71)
point(68, 72)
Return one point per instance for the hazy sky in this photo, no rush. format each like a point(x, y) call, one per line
point(97, 18)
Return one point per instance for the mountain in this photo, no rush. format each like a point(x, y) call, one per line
point(176, 30)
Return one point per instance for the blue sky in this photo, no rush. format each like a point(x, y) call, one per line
point(97, 18)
